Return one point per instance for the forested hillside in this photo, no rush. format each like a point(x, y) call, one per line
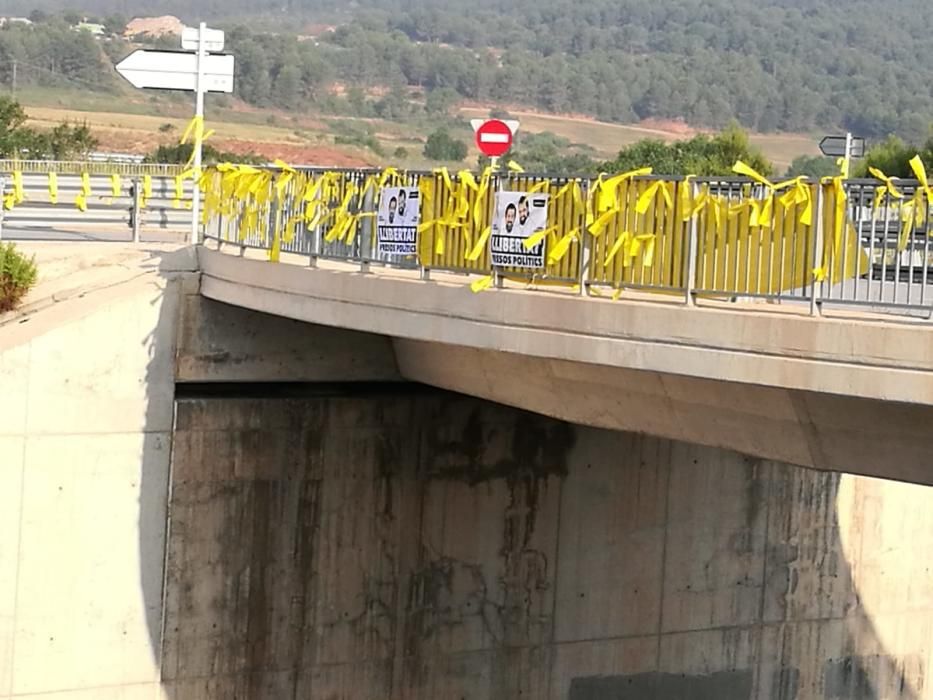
point(789, 65)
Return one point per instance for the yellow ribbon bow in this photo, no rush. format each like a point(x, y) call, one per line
point(763, 218)
point(800, 193)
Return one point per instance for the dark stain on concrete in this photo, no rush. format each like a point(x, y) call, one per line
point(785, 684)
point(469, 441)
point(871, 677)
point(848, 679)
point(725, 685)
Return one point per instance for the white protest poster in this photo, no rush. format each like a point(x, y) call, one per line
point(518, 216)
point(397, 223)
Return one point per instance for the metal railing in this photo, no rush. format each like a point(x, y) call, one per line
point(93, 167)
point(852, 243)
point(74, 197)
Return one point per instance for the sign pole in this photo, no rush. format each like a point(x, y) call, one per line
point(199, 115)
point(848, 152)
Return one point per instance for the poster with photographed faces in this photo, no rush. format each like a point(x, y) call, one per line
point(397, 222)
point(518, 216)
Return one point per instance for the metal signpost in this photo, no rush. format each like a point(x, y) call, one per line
point(197, 68)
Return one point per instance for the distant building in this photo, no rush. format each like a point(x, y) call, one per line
point(91, 28)
point(14, 20)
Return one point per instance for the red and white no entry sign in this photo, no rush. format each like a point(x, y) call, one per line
point(494, 138)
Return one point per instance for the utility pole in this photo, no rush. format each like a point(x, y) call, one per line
point(13, 85)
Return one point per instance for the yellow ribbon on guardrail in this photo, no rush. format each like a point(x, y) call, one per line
point(799, 193)
point(116, 185)
point(648, 196)
point(18, 191)
point(53, 187)
point(630, 245)
point(762, 214)
point(889, 189)
point(558, 252)
point(477, 250)
point(286, 176)
point(921, 212)
point(834, 247)
point(343, 219)
point(604, 200)
point(180, 188)
point(16, 195)
point(886, 188)
point(81, 198)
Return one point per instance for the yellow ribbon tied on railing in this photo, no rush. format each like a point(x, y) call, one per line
point(558, 252)
point(53, 188)
point(914, 212)
point(180, 188)
point(889, 189)
point(477, 250)
point(762, 213)
point(604, 202)
point(800, 193)
point(343, 219)
point(821, 272)
point(116, 185)
point(648, 196)
point(886, 188)
point(16, 195)
point(81, 198)
point(924, 191)
point(147, 190)
point(286, 176)
point(631, 245)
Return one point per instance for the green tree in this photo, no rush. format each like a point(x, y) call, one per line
point(700, 155)
point(442, 146)
point(181, 153)
point(287, 89)
point(12, 119)
point(892, 157)
point(813, 166)
point(439, 102)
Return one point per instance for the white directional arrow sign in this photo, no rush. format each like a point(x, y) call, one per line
point(177, 70)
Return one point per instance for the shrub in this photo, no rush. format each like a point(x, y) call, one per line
point(441, 146)
point(17, 276)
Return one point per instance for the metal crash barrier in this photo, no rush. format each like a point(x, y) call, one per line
point(63, 196)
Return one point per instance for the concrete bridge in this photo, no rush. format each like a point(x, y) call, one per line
point(270, 481)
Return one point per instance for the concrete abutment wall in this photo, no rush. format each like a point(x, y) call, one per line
point(436, 546)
